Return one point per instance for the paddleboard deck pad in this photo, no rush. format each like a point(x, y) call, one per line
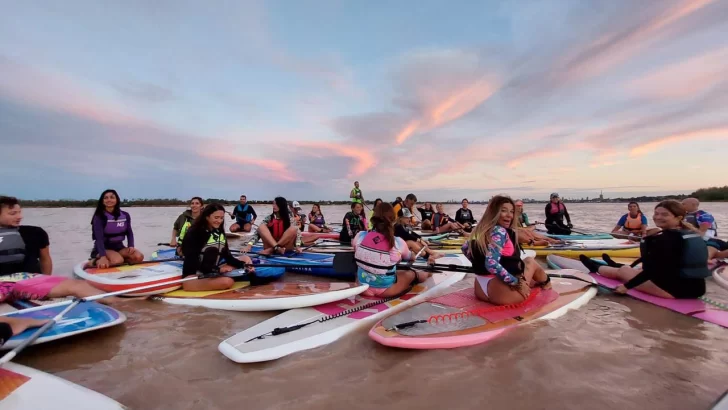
point(273, 296)
point(458, 318)
point(255, 344)
point(697, 308)
point(25, 388)
point(132, 276)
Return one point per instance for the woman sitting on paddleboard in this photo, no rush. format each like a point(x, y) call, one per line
point(371, 212)
point(204, 248)
point(527, 235)
point(523, 220)
point(427, 212)
point(377, 254)
point(442, 223)
point(674, 259)
point(277, 231)
point(352, 223)
point(555, 214)
point(110, 226)
point(316, 220)
point(633, 222)
point(183, 223)
point(502, 277)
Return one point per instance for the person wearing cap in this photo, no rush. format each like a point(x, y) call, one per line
point(408, 204)
point(464, 216)
point(356, 196)
point(299, 218)
point(555, 214)
point(415, 243)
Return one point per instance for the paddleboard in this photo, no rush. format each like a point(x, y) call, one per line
point(721, 403)
point(269, 273)
point(721, 276)
point(697, 308)
point(458, 318)
point(351, 314)
point(314, 236)
point(614, 248)
point(132, 276)
point(25, 388)
point(273, 296)
point(85, 317)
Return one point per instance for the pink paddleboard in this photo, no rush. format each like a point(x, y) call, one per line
point(692, 307)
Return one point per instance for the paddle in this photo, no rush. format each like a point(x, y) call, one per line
point(106, 295)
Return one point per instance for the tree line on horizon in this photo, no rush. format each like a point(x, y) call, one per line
point(703, 194)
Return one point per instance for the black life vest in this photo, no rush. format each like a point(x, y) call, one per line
point(513, 263)
point(694, 264)
point(12, 246)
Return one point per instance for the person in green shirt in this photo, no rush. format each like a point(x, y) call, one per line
point(356, 195)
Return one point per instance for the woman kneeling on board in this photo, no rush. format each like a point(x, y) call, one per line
point(183, 223)
point(277, 232)
point(111, 226)
point(674, 259)
point(377, 254)
point(204, 246)
point(494, 251)
point(633, 222)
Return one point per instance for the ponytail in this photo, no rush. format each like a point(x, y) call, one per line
point(383, 221)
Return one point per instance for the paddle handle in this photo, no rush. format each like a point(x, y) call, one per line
point(11, 354)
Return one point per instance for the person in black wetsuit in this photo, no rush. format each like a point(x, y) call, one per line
point(674, 260)
point(555, 214)
point(464, 217)
point(204, 248)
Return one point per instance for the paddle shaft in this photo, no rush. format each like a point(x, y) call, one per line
point(103, 295)
point(11, 354)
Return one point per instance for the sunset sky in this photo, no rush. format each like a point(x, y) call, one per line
point(301, 98)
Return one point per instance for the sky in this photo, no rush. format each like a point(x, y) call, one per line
point(173, 99)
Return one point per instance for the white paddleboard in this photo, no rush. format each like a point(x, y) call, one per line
point(25, 388)
point(241, 349)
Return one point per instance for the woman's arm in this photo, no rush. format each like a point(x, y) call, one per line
point(191, 248)
point(98, 228)
point(129, 232)
point(492, 257)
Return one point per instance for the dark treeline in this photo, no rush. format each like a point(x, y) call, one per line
point(703, 194)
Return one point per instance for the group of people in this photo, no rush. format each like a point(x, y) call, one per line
point(674, 254)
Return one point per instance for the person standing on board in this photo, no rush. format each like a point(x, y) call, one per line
point(356, 195)
point(23, 248)
point(111, 226)
point(555, 214)
point(633, 222)
point(464, 217)
point(244, 216)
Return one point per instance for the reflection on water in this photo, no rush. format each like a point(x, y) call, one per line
point(615, 352)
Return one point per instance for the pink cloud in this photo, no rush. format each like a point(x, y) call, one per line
point(516, 161)
point(614, 48)
point(363, 157)
point(719, 133)
point(277, 170)
point(685, 79)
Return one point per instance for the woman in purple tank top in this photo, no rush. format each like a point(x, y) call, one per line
point(316, 220)
point(110, 226)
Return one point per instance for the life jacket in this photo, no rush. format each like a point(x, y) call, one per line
point(12, 246)
point(512, 263)
point(115, 229)
point(444, 219)
point(557, 209)
point(692, 219)
point(397, 207)
point(357, 192)
point(694, 264)
point(317, 220)
point(217, 241)
point(243, 210)
point(465, 214)
point(275, 226)
point(185, 227)
point(633, 224)
point(299, 221)
point(373, 255)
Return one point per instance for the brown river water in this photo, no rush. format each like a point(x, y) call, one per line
point(613, 353)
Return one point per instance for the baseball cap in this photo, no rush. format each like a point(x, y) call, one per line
point(296, 205)
point(405, 213)
point(554, 195)
point(519, 202)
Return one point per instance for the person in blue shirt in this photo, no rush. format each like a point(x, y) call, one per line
point(244, 216)
point(633, 222)
point(700, 219)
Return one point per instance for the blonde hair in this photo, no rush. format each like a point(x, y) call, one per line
point(482, 232)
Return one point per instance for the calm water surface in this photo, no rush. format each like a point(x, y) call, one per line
point(614, 353)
